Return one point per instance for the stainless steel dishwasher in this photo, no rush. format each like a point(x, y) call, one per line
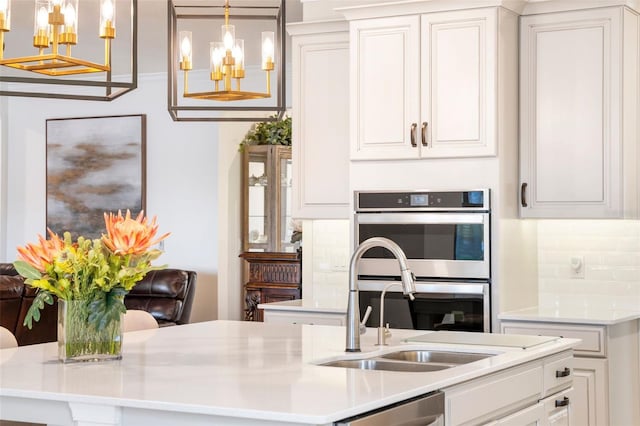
point(425, 410)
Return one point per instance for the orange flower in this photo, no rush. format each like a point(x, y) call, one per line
point(130, 236)
point(42, 254)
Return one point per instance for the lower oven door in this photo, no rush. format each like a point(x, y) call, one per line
point(462, 306)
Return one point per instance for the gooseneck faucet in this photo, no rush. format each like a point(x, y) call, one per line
point(353, 307)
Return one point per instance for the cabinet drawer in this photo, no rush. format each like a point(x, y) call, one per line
point(493, 396)
point(593, 337)
point(558, 373)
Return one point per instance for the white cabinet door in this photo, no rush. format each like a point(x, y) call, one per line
point(530, 416)
point(571, 140)
point(458, 83)
point(385, 98)
point(591, 394)
point(320, 121)
point(424, 86)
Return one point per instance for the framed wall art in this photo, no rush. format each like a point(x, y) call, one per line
point(94, 165)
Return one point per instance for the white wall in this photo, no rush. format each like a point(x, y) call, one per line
point(181, 178)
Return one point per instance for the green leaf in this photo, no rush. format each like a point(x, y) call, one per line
point(34, 310)
point(107, 307)
point(27, 270)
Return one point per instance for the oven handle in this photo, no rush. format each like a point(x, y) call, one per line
point(423, 287)
point(422, 218)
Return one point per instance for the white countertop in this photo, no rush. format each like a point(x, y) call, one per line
point(328, 306)
point(233, 369)
point(591, 313)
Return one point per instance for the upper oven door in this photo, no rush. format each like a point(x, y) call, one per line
point(437, 245)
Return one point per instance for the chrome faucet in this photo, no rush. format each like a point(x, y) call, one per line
point(353, 307)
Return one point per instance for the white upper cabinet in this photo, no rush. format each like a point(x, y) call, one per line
point(320, 120)
point(424, 86)
point(578, 114)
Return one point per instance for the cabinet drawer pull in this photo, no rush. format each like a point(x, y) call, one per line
point(563, 402)
point(563, 373)
point(423, 133)
point(414, 126)
point(523, 194)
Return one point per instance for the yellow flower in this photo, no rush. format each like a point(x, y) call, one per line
point(43, 253)
point(130, 236)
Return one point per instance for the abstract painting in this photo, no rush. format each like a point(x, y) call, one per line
point(94, 165)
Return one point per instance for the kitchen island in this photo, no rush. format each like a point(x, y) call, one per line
point(236, 373)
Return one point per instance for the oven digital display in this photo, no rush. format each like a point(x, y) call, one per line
point(419, 199)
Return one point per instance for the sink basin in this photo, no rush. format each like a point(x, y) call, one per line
point(436, 357)
point(410, 360)
point(380, 364)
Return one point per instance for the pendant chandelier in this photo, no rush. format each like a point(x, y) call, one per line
point(55, 32)
point(228, 69)
point(227, 63)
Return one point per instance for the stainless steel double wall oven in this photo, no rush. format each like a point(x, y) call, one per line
point(446, 237)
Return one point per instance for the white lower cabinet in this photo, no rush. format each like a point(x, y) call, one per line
point(537, 393)
point(606, 377)
point(311, 318)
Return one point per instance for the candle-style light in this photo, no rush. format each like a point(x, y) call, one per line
point(227, 62)
point(55, 22)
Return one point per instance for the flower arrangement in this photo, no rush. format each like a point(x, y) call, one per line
point(99, 272)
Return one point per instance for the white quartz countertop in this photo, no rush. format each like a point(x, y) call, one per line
point(222, 369)
point(329, 306)
point(588, 313)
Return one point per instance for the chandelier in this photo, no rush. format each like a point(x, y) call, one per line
point(55, 32)
point(55, 24)
point(226, 63)
point(230, 75)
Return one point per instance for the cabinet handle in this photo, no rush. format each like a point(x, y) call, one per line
point(414, 126)
point(563, 402)
point(423, 133)
point(564, 373)
point(523, 194)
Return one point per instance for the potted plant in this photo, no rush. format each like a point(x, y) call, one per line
point(276, 132)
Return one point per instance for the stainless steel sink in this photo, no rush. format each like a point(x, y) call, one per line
point(380, 364)
point(436, 357)
point(410, 360)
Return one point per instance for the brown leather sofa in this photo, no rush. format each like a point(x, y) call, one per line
point(166, 294)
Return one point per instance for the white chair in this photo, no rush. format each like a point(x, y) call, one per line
point(135, 319)
point(7, 339)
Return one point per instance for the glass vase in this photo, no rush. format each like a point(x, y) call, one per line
point(79, 341)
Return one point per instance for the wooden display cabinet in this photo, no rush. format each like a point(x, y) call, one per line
point(273, 269)
point(272, 277)
point(266, 212)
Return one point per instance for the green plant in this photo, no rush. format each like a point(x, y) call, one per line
point(276, 132)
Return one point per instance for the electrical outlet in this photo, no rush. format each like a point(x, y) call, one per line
point(576, 266)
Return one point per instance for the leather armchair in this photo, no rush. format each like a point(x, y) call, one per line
point(166, 294)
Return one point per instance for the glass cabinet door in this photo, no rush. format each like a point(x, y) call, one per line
point(267, 224)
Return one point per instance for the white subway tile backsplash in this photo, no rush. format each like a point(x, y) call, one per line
point(611, 251)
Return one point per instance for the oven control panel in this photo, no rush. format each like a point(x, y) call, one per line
point(422, 200)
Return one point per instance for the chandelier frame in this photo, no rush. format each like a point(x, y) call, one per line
point(71, 66)
point(222, 110)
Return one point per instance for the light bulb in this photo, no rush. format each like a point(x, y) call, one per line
point(4, 5)
point(185, 46)
point(267, 48)
point(228, 40)
point(56, 2)
point(69, 15)
point(43, 18)
point(107, 10)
